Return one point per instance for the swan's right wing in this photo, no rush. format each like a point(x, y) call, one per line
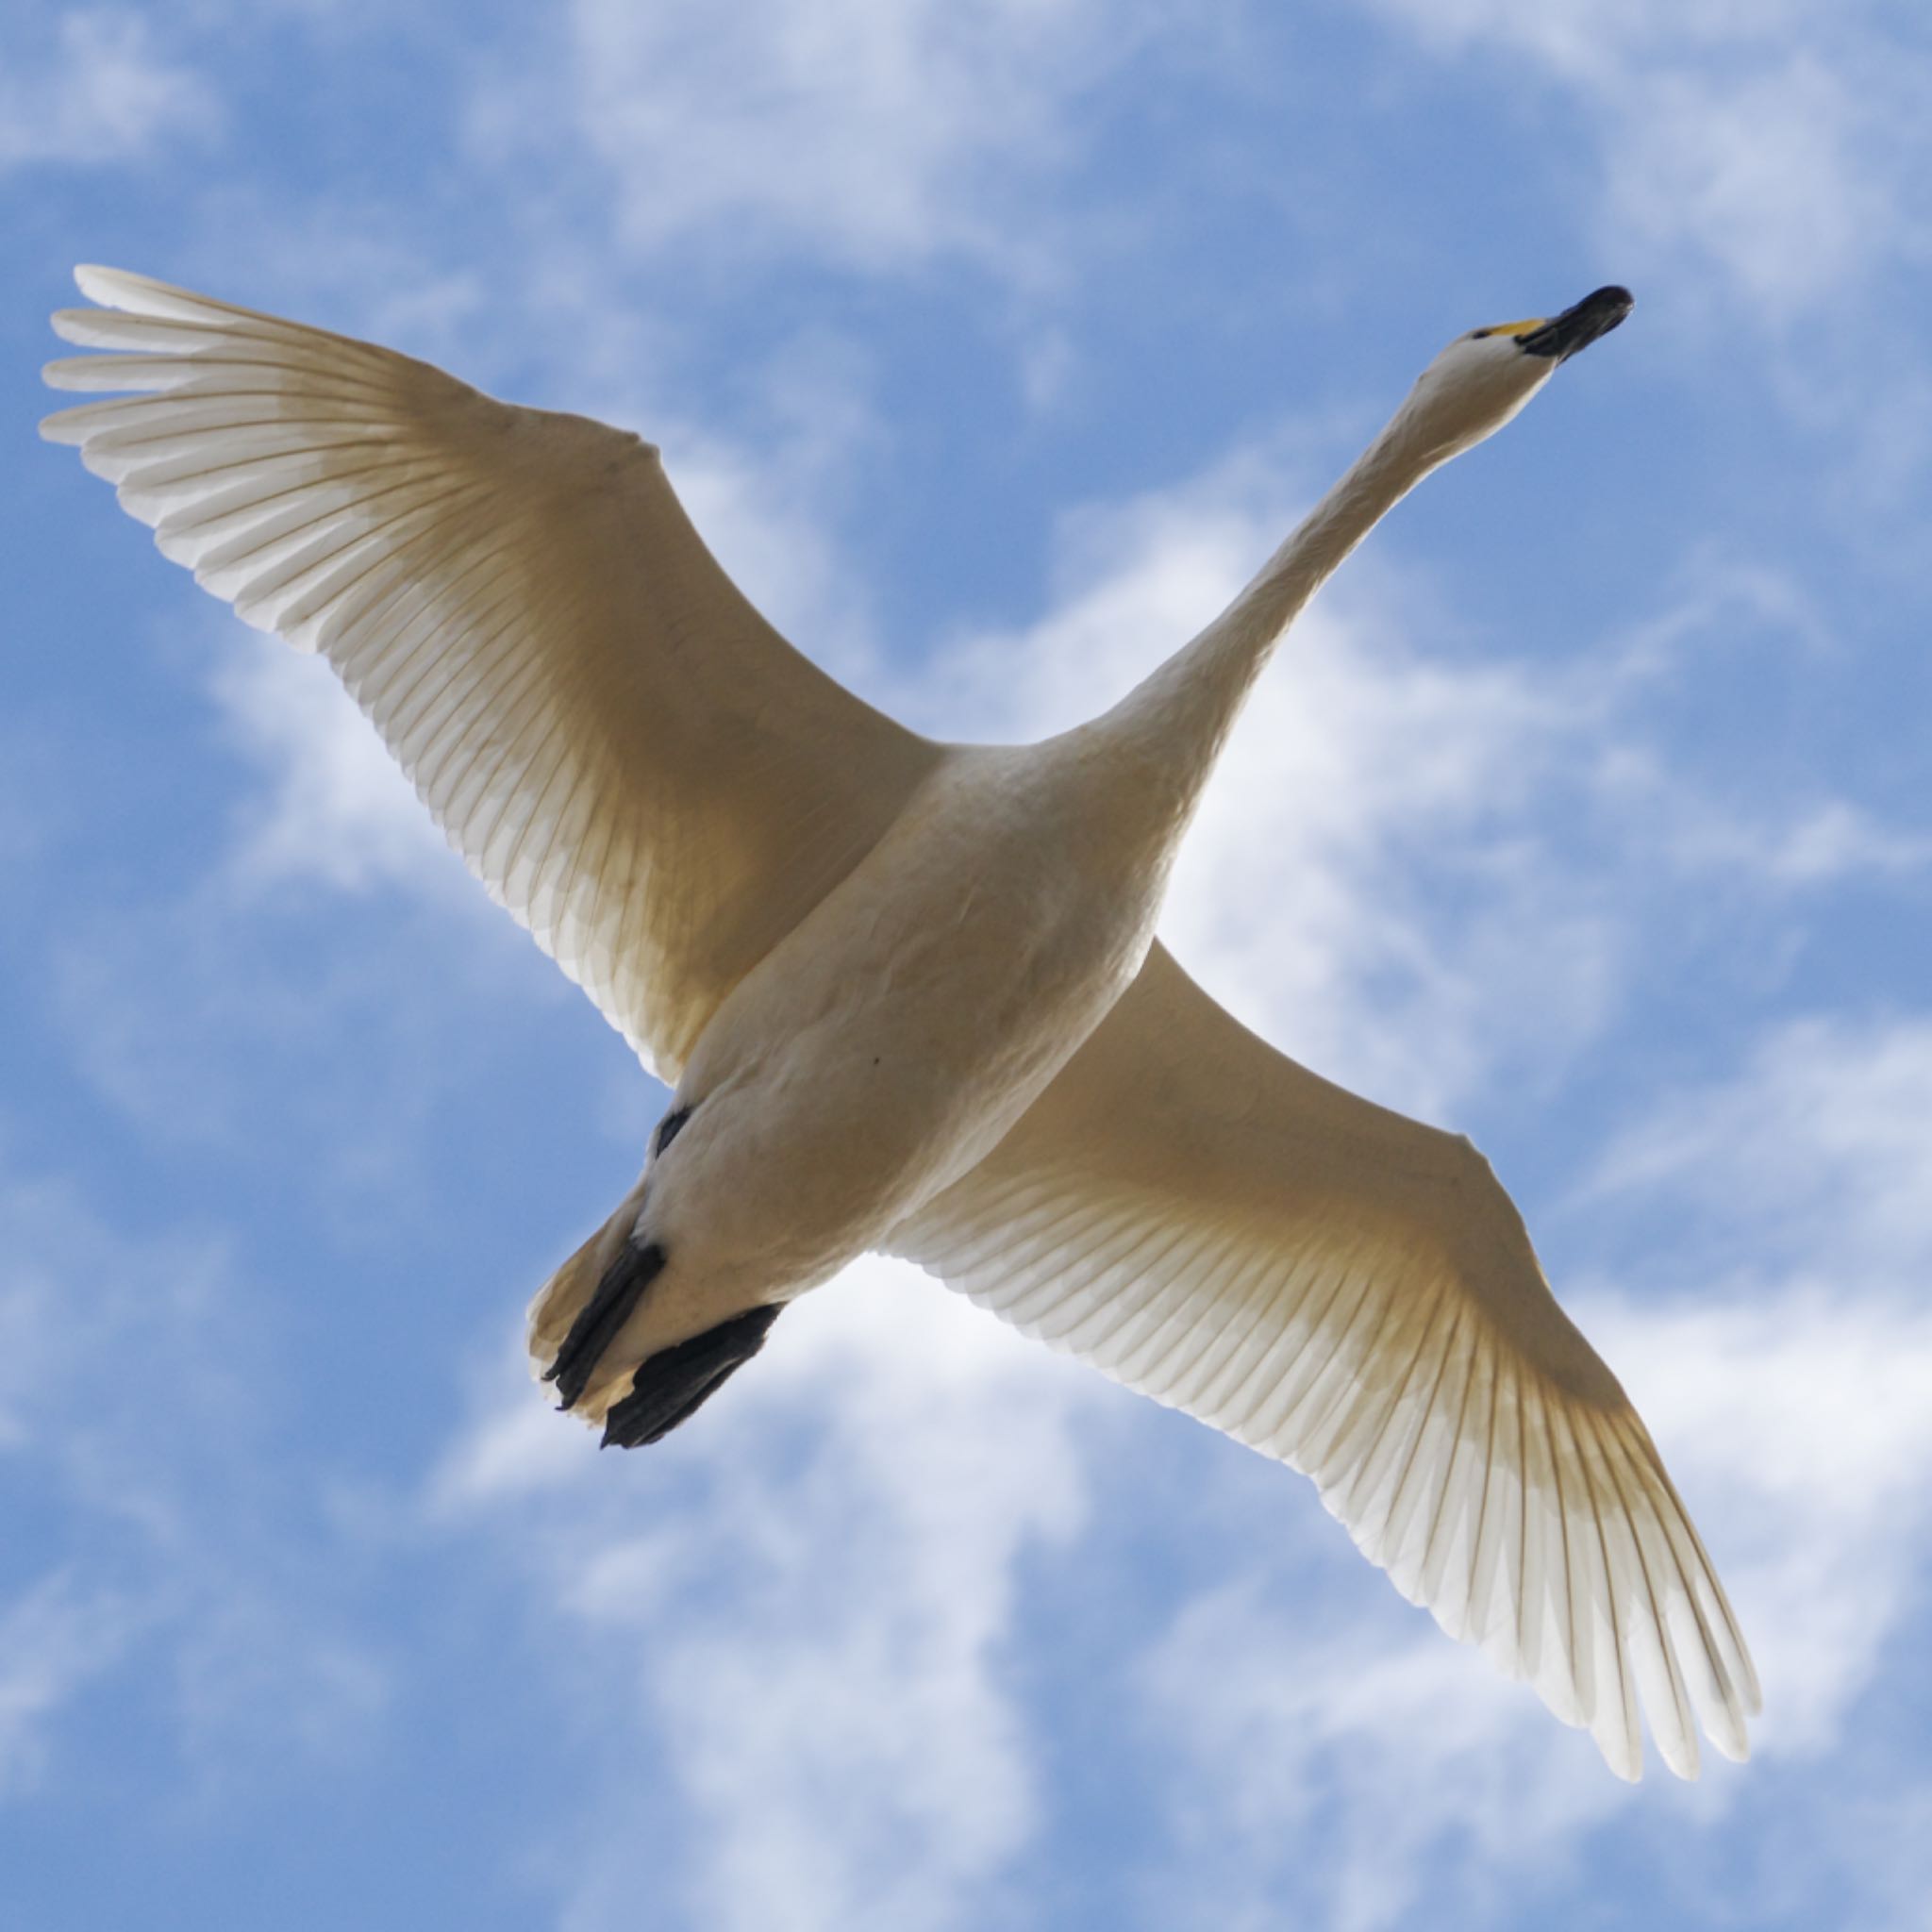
point(628, 757)
point(1351, 1292)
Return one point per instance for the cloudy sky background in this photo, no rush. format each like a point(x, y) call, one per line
point(992, 343)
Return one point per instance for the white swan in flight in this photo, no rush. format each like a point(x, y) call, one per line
point(908, 994)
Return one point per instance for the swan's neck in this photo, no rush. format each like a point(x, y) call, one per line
point(1178, 718)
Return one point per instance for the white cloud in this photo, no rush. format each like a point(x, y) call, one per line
point(1778, 144)
point(1404, 1760)
point(1361, 781)
point(1762, 170)
point(1821, 1148)
point(337, 806)
point(752, 513)
point(1820, 844)
point(1800, 1425)
point(1791, 1380)
point(101, 93)
point(1587, 40)
point(132, 1384)
point(54, 1638)
point(807, 1633)
point(881, 135)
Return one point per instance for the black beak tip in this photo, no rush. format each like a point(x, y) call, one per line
point(1580, 324)
point(1614, 302)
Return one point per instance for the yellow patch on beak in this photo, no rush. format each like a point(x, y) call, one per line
point(1513, 329)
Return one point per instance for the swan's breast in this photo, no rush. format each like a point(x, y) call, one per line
point(888, 1042)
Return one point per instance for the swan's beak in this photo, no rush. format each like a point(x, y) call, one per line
point(1578, 326)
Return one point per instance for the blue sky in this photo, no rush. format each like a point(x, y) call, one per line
point(992, 344)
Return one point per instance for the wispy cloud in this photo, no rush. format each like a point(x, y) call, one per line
point(1801, 1421)
point(94, 90)
point(1820, 1147)
point(335, 806)
point(1332, 1768)
point(131, 1381)
point(877, 136)
point(55, 1637)
point(1770, 172)
point(808, 1637)
point(1778, 144)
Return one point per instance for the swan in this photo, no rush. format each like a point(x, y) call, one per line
point(908, 995)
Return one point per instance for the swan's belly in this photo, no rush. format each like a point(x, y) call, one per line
point(887, 1045)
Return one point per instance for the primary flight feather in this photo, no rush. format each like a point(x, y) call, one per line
point(908, 994)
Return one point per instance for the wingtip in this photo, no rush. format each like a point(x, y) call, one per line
point(132, 294)
point(1622, 1746)
point(1737, 1749)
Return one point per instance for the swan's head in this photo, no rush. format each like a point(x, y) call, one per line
point(1482, 378)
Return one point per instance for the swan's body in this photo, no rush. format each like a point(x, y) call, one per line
point(867, 1035)
point(909, 996)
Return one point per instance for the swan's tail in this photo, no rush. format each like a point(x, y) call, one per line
point(576, 1316)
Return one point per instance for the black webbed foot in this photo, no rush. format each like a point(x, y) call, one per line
point(601, 1317)
point(672, 1385)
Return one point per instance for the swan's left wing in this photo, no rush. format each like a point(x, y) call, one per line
point(630, 758)
point(1344, 1289)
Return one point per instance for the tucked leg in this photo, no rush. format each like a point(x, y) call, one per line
point(672, 1385)
point(600, 1318)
